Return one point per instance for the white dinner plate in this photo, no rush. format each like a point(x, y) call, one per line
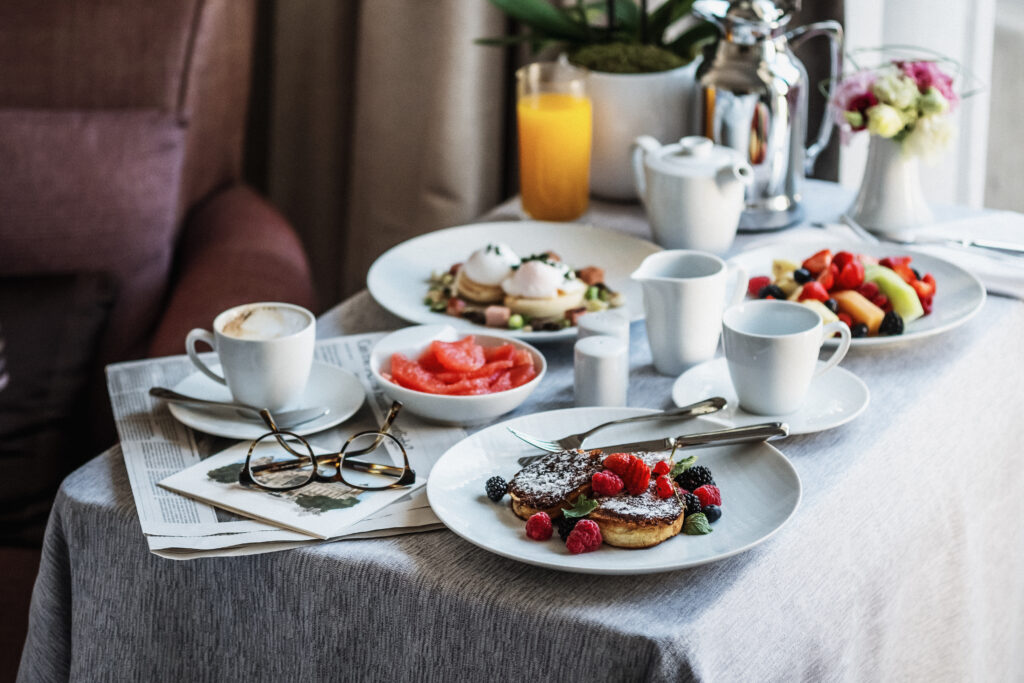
point(760, 492)
point(958, 294)
point(336, 388)
point(833, 398)
point(399, 278)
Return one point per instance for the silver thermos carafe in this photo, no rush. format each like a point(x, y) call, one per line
point(753, 98)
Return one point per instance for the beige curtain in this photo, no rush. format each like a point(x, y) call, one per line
point(386, 122)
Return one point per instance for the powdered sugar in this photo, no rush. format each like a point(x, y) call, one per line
point(547, 481)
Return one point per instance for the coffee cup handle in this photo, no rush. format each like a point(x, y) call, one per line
point(201, 335)
point(740, 290)
point(844, 344)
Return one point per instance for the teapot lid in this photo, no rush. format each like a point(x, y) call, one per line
point(744, 21)
point(694, 155)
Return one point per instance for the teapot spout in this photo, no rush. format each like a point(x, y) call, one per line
point(738, 171)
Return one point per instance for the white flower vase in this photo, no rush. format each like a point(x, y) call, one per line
point(890, 200)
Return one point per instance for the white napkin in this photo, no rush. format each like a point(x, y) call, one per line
point(1001, 273)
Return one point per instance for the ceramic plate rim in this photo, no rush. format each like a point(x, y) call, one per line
point(419, 315)
point(677, 384)
point(240, 430)
point(863, 247)
point(592, 565)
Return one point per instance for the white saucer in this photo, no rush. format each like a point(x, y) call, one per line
point(834, 398)
point(336, 388)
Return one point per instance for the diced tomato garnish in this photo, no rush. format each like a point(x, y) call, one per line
point(819, 262)
point(851, 275)
point(460, 356)
point(814, 290)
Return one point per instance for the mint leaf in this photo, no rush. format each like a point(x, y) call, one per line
point(583, 507)
point(696, 525)
point(682, 466)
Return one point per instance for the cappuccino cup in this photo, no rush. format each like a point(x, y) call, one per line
point(265, 352)
point(771, 349)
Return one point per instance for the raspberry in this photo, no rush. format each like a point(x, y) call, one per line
point(664, 487)
point(756, 284)
point(880, 300)
point(606, 483)
point(869, 290)
point(584, 538)
point(709, 495)
point(638, 477)
point(538, 527)
point(618, 462)
point(661, 468)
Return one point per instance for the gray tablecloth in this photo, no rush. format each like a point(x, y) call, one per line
point(905, 561)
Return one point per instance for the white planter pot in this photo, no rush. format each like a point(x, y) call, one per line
point(890, 200)
point(629, 105)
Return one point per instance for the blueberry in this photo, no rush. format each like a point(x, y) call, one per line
point(771, 290)
point(859, 330)
point(712, 512)
point(802, 275)
point(832, 305)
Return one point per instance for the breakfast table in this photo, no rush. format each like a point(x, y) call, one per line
point(904, 560)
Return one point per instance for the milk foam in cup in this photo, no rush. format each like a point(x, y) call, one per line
point(265, 351)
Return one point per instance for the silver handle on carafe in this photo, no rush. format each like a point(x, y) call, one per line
point(834, 31)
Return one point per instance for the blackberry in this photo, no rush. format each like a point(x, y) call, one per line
point(692, 503)
point(892, 324)
point(565, 526)
point(859, 330)
point(496, 488)
point(695, 477)
point(713, 513)
point(802, 276)
point(771, 291)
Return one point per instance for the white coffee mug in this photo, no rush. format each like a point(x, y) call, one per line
point(771, 348)
point(265, 351)
point(684, 296)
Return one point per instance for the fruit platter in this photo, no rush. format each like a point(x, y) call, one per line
point(694, 506)
point(885, 293)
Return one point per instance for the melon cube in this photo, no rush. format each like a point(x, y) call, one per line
point(861, 310)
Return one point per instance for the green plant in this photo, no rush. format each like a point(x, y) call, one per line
point(631, 28)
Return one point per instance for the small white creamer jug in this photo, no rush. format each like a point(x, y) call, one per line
point(692, 191)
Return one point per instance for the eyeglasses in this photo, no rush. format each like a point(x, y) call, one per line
point(284, 461)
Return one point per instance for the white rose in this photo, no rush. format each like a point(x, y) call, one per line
point(884, 121)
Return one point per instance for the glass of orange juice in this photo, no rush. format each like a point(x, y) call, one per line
point(554, 116)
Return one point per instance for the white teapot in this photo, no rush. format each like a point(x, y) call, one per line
point(692, 191)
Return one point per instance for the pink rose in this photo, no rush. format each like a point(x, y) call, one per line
point(852, 93)
point(927, 75)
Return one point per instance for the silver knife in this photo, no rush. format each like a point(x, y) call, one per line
point(758, 432)
point(284, 419)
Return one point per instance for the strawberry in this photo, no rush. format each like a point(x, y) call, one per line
point(814, 290)
point(905, 272)
point(852, 275)
point(619, 463)
point(827, 277)
point(845, 317)
point(661, 468)
point(664, 487)
point(638, 477)
point(709, 495)
point(756, 284)
point(925, 287)
point(892, 261)
point(842, 258)
point(819, 262)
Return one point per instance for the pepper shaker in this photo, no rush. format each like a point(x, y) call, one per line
point(601, 367)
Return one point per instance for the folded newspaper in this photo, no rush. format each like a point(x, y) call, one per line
point(156, 446)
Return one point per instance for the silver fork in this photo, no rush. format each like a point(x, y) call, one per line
point(572, 441)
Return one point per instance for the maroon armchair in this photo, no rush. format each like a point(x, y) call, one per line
point(123, 223)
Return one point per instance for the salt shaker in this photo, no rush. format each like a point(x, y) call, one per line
point(606, 323)
point(601, 366)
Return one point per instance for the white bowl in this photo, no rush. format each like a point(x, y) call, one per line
point(439, 408)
